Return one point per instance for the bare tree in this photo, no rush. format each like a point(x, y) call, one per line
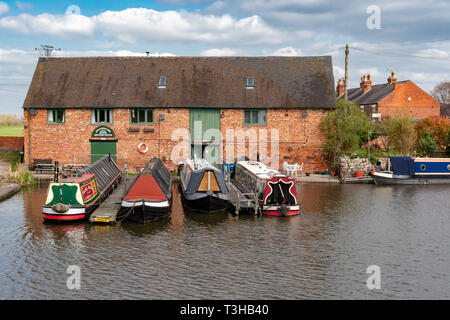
point(441, 92)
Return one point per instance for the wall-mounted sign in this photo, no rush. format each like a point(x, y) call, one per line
point(103, 132)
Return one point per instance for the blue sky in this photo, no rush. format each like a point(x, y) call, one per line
point(413, 38)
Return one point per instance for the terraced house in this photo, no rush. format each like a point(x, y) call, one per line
point(78, 109)
point(390, 99)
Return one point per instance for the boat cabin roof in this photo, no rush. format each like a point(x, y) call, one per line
point(79, 178)
point(199, 164)
point(260, 169)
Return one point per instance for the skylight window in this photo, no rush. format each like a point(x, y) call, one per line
point(162, 81)
point(250, 82)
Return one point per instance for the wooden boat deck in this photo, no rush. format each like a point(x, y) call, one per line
point(242, 202)
point(107, 210)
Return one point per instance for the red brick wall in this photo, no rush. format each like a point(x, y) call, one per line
point(300, 137)
point(421, 105)
point(15, 143)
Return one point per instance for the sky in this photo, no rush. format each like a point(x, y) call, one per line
point(410, 37)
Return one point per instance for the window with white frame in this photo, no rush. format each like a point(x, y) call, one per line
point(99, 116)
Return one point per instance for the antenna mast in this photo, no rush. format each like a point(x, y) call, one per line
point(47, 50)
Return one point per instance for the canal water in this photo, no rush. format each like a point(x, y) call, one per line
point(324, 253)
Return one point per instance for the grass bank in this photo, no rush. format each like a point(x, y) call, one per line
point(11, 131)
point(15, 172)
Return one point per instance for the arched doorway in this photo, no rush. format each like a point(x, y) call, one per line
point(103, 142)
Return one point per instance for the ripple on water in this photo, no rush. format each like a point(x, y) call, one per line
point(323, 253)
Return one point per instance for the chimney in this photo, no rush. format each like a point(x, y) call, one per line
point(340, 87)
point(366, 83)
point(392, 78)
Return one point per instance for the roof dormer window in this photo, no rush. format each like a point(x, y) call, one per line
point(250, 83)
point(162, 82)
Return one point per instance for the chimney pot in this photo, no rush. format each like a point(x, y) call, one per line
point(340, 88)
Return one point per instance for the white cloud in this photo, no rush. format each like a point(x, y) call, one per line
point(287, 51)
point(4, 8)
point(219, 52)
point(62, 26)
point(141, 24)
point(24, 6)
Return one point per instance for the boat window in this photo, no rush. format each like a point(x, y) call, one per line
point(56, 116)
point(101, 116)
point(141, 116)
point(255, 117)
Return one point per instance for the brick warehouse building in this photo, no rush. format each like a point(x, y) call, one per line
point(393, 98)
point(77, 109)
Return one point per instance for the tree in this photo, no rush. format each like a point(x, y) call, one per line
point(441, 92)
point(346, 128)
point(438, 128)
point(401, 134)
point(426, 145)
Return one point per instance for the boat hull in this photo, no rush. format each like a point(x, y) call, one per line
point(73, 214)
point(381, 178)
point(145, 211)
point(206, 204)
point(281, 211)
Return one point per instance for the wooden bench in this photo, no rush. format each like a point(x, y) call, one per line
point(45, 168)
point(37, 162)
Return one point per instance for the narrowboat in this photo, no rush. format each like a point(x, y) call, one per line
point(76, 196)
point(202, 187)
point(276, 192)
point(407, 170)
point(150, 195)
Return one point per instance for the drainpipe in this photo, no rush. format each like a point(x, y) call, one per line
point(29, 138)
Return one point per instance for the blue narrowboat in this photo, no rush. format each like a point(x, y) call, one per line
point(407, 170)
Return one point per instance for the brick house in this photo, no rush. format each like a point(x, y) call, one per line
point(390, 99)
point(78, 109)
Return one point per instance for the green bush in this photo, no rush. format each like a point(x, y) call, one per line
point(426, 144)
point(346, 130)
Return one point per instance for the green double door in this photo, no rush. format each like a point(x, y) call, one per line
point(204, 128)
point(101, 148)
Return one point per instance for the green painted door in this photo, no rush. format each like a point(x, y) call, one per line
point(204, 128)
point(100, 148)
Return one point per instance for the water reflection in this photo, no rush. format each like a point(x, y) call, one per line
point(322, 253)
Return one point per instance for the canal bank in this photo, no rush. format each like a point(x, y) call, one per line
point(7, 189)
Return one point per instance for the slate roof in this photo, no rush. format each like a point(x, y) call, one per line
point(445, 109)
point(111, 82)
point(372, 96)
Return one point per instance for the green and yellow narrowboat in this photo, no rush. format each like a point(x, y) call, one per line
point(75, 197)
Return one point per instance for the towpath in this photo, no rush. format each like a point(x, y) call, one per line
point(7, 189)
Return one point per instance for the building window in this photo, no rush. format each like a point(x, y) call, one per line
point(374, 108)
point(56, 116)
point(162, 82)
point(102, 116)
point(141, 116)
point(255, 117)
point(250, 82)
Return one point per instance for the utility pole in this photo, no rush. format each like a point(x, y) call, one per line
point(346, 72)
point(47, 50)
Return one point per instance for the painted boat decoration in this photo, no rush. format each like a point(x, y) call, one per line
point(150, 196)
point(407, 170)
point(75, 197)
point(202, 187)
point(277, 194)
